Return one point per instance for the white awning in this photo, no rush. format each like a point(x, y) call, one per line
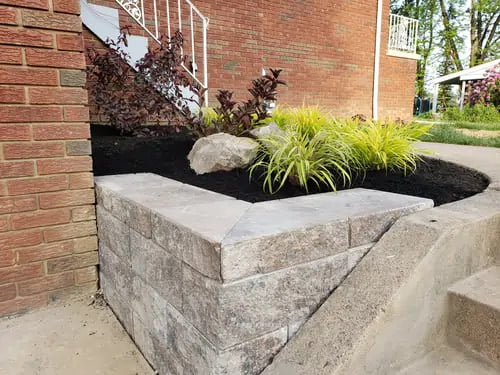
point(471, 74)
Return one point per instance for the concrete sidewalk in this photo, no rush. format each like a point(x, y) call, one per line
point(68, 339)
point(484, 159)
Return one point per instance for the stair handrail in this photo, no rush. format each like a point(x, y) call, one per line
point(135, 8)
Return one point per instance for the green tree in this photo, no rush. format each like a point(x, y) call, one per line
point(445, 94)
point(480, 19)
point(452, 19)
point(484, 30)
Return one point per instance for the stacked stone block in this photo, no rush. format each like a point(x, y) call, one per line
point(207, 284)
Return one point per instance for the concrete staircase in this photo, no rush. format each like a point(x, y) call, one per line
point(104, 22)
point(474, 318)
point(473, 331)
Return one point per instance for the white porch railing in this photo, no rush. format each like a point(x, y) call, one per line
point(158, 18)
point(403, 34)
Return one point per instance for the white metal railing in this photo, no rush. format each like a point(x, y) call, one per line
point(152, 22)
point(403, 34)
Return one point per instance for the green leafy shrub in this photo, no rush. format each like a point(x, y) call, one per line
point(453, 114)
point(426, 116)
point(310, 120)
point(475, 113)
point(208, 118)
point(317, 149)
point(281, 116)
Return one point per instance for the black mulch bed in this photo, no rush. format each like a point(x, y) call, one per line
point(438, 180)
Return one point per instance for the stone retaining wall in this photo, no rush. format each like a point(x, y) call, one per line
point(392, 310)
point(207, 284)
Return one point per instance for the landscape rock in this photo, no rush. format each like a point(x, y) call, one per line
point(222, 152)
point(265, 131)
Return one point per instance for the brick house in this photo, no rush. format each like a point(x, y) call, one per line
point(335, 53)
point(326, 48)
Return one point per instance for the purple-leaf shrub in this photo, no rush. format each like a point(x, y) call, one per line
point(129, 98)
point(152, 92)
point(239, 118)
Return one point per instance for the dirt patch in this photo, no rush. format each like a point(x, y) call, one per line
point(167, 156)
point(480, 133)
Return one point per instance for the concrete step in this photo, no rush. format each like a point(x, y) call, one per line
point(448, 361)
point(474, 315)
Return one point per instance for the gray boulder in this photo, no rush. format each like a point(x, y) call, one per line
point(265, 131)
point(222, 152)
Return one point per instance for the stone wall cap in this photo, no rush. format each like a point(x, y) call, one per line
point(211, 221)
point(273, 217)
point(119, 182)
point(225, 220)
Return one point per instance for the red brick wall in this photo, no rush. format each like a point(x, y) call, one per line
point(47, 222)
point(397, 80)
point(325, 47)
point(90, 41)
point(397, 87)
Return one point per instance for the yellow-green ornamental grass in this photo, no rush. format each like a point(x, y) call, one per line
point(316, 149)
point(385, 146)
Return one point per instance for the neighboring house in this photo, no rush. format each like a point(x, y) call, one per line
point(326, 48)
point(461, 79)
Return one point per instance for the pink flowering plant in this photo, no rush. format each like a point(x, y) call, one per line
point(487, 91)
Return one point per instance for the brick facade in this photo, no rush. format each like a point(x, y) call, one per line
point(325, 47)
point(47, 222)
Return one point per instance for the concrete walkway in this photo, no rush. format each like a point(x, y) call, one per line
point(68, 339)
point(484, 159)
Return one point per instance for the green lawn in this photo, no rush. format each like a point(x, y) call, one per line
point(447, 132)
